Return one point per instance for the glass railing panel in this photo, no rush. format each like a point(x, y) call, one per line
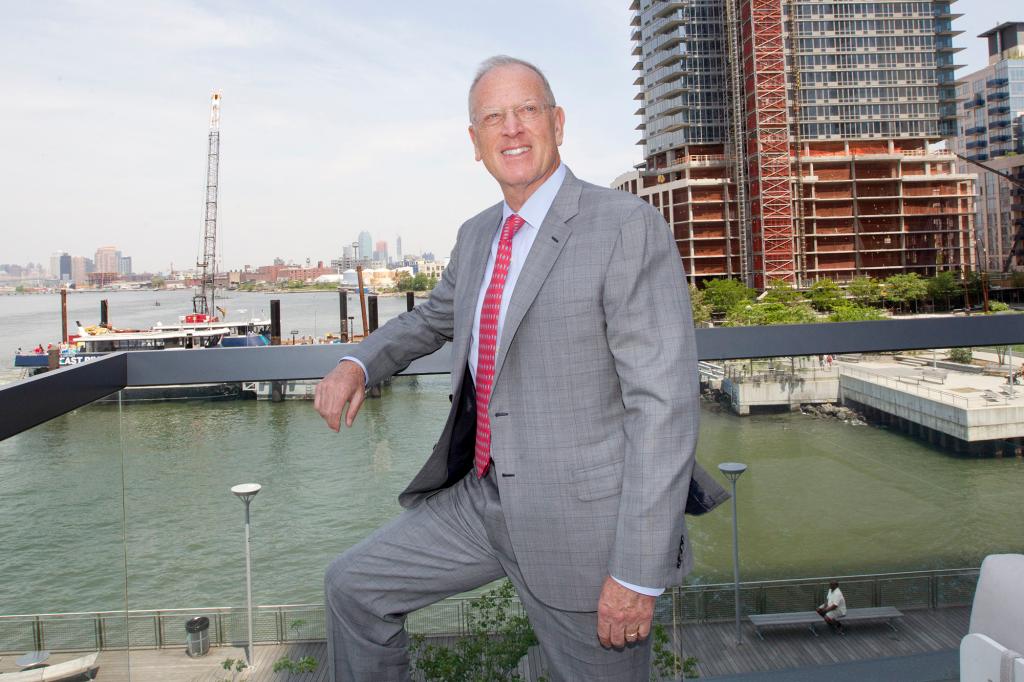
point(62, 596)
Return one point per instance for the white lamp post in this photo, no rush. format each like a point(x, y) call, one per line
point(245, 492)
point(732, 471)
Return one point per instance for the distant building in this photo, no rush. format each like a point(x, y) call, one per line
point(380, 251)
point(365, 245)
point(108, 259)
point(398, 248)
point(81, 267)
point(55, 263)
point(64, 271)
point(990, 129)
point(124, 266)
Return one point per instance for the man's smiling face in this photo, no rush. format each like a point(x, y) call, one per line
point(516, 132)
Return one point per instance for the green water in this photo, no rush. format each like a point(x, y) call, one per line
point(820, 498)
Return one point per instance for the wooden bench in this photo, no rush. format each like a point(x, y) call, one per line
point(811, 618)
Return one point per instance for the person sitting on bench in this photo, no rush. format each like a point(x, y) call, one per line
point(834, 607)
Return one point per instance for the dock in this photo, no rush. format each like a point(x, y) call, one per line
point(922, 631)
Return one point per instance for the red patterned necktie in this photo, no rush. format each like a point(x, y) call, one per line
point(487, 344)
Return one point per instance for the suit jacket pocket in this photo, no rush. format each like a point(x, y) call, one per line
point(595, 483)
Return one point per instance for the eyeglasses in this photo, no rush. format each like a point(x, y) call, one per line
point(526, 112)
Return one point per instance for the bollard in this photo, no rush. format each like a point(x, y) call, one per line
point(410, 301)
point(53, 358)
point(104, 313)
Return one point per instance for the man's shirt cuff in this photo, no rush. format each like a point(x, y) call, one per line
point(366, 375)
point(648, 591)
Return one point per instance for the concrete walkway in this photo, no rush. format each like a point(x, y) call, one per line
point(941, 666)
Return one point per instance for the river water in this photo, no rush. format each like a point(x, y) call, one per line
point(116, 504)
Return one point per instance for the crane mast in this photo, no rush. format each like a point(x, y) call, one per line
point(208, 264)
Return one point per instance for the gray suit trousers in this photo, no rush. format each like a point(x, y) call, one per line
point(452, 542)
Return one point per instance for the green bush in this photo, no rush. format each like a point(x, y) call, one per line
point(853, 312)
point(961, 355)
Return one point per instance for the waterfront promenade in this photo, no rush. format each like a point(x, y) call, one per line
point(922, 631)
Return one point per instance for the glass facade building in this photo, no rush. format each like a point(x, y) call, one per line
point(990, 130)
point(794, 139)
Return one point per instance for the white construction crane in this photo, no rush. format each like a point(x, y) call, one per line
point(202, 308)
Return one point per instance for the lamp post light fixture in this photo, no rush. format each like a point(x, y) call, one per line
point(732, 471)
point(294, 332)
point(245, 492)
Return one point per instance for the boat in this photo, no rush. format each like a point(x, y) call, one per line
point(190, 334)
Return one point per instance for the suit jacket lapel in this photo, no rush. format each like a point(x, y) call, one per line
point(549, 242)
point(473, 262)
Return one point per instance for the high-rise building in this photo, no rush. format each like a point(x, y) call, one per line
point(64, 268)
point(991, 130)
point(108, 259)
point(365, 246)
point(399, 254)
point(124, 265)
point(380, 251)
point(81, 266)
point(794, 139)
point(55, 263)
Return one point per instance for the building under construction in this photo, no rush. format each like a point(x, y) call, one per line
point(793, 139)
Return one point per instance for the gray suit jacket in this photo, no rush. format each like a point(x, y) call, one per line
point(594, 405)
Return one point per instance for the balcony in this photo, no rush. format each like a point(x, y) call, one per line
point(1001, 96)
point(998, 111)
point(129, 504)
point(976, 144)
point(978, 101)
point(997, 82)
point(976, 130)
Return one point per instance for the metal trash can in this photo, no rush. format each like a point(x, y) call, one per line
point(197, 637)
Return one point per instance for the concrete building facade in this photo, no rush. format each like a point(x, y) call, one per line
point(794, 139)
point(990, 130)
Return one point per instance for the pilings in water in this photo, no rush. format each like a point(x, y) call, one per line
point(104, 312)
point(64, 315)
point(343, 313)
point(276, 387)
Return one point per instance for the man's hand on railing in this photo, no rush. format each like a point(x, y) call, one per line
point(345, 384)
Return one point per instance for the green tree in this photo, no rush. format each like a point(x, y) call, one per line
point(158, 282)
point(942, 286)
point(761, 314)
point(781, 291)
point(853, 312)
point(997, 307)
point(723, 294)
point(865, 290)
point(700, 309)
point(20, 289)
point(904, 288)
point(825, 295)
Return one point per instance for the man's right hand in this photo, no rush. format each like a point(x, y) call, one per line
point(345, 384)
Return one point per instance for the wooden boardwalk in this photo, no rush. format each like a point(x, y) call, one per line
point(921, 631)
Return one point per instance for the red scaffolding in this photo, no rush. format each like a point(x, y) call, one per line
point(768, 153)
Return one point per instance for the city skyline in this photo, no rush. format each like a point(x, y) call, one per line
point(334, 121)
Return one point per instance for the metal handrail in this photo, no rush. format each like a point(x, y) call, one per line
point(163, 628)
point(909, 384)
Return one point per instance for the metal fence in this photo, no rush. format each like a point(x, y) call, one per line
point(452, 617)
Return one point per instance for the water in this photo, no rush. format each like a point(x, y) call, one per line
point(820, 497)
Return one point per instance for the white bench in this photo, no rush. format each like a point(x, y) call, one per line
point(811, 618)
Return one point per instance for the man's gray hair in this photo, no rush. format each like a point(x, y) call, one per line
point(504, 60)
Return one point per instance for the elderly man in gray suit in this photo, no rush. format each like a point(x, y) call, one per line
point(566, 458)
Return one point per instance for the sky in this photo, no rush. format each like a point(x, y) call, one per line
point(336, 117)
